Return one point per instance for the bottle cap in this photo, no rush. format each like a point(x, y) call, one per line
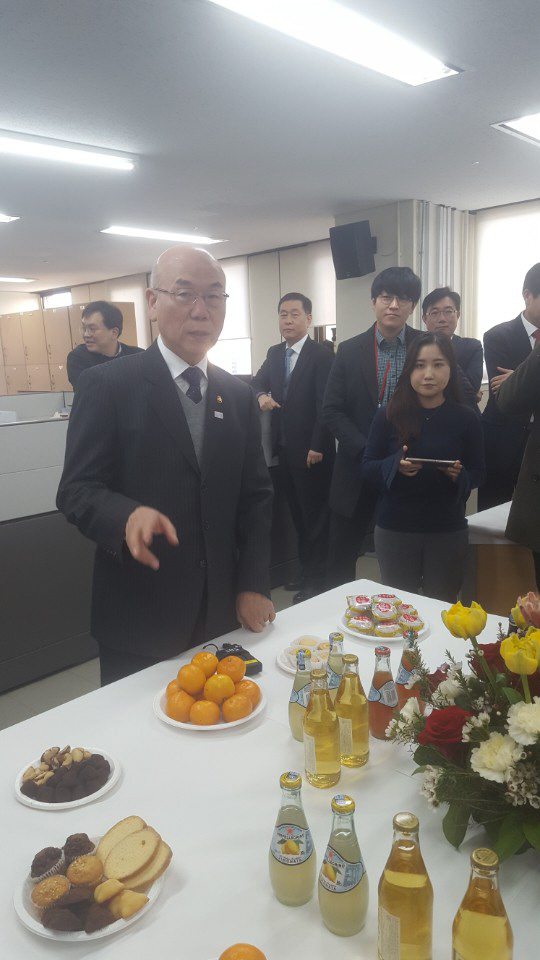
point(291, 780)
point(405, 822)
point(343, 804)
point(484, 857)
point(350, 658)
point(318, 674)
point(336, 638)
point(382, 651)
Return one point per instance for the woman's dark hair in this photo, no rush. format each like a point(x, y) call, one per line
point(404, 411)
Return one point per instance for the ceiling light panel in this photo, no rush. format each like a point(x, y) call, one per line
point(5, 219)
point(143, 234)
point(333, 27)
point(19, 145)
point(526, 128)
point(16, 280)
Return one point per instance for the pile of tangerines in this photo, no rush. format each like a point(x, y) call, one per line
point(209, 690)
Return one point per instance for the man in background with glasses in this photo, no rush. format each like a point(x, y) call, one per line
point(440, 313)
point(363, 378)
point(101, 325)
point(164, 470)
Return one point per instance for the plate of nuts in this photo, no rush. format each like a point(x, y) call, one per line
point(66, 777)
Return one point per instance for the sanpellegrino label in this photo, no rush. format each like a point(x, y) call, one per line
point(385, 694)
point(333, 678)
point(301, 696)
point(291, 844)
point(403, 675)
point(338, 875)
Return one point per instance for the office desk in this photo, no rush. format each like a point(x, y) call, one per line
point(214, 798)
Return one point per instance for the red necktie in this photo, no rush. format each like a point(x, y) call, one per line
point(536, 335)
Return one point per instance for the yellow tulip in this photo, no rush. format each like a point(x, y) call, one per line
point(518, 618)
point(464, 621)
point(533, 634)
point(520, 654)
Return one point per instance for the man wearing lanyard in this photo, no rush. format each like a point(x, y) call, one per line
point(364, 377)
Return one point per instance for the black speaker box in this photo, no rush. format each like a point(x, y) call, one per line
point(352, 249)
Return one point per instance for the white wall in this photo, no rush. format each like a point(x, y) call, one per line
point(11, 302)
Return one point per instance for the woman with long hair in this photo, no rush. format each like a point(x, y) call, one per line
point(421, 533)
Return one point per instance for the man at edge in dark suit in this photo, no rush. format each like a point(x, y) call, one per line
point(440, 313)
point(101, 325)
point(506, 346)
point(164, 470)
point(364, 376)
point(291, 384)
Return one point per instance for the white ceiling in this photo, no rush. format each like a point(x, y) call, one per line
point(243, 133)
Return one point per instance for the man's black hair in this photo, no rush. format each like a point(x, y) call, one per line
point(112, 316)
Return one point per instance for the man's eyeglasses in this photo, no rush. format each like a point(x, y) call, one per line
point(446, 312)
point(387, 300)
point(187, 298)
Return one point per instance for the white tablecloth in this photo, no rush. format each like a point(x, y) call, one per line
point(488, 526)
point(214, 798)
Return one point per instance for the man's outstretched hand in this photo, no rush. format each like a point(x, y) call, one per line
point(141, 528)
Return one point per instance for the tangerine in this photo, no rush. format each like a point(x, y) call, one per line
point(236, 707)
point(204, 713)
point(172, 687)
point(242, 951)
point(206, 661)
point(250, 689)
point(233, 667)
point(218, 687)
point(178, 706)
point(191, 678)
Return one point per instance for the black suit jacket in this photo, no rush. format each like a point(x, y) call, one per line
point(470, 358)
point(300, 414)
point(81, 358)
point(128, 445)
point(350, 403)
point(506, 345)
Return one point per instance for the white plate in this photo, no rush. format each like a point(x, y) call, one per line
point(28, 914)
point(373, 638)
point(159, 710)
point(283, 662)
point(40, 805)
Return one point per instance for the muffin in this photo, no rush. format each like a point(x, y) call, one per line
point(360, 623)
point(383, 610)
point(62, 919)
point(389, 629)
point(386, 598)
point(85, 871)
point(47, 892)
point(360, 604)
point(408, 621)
point(47, 863)
point(408, 608)
point(77, 845)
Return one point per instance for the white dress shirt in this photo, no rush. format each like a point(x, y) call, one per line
point(177, 366)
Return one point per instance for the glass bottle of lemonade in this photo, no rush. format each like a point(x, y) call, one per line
point(481, 927)
point(291, 860)
point(321, 735)
point(299, 698)
point(343, 883)
point(382, 697)
point(405, 670)
point(405, 897)
point(352, 712)
point(334, 667)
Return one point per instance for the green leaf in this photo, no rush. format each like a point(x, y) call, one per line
point(531, 829)
point(455, 823)
point(463, 701)
point(425, 755)
point(419, 770)
point(513, 696)
point(510, 837)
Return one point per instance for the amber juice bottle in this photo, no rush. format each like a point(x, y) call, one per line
point(405, 897)
point(481, 929)
point(382, 697)
point(321, 735)
point(352, 712)
point(405, 670)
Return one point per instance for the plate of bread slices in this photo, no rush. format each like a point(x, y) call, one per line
point(93, 887)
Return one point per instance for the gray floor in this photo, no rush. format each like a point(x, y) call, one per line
point(34, 698)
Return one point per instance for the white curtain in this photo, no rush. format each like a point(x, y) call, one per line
point(447, 256)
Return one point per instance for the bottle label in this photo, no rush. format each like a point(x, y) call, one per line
point(385, 694)
point(403, 674)
point(338, 875)
point(310, 758)
point(291, 845)
point(345, 736)
point(388, 942)
point(333, 678)
point(301, 696)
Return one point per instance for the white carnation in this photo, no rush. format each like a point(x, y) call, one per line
point(411, 711)
point(494, 759)
point(524, 721)
point(447, 690)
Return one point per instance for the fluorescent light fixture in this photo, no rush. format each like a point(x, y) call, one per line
point(526, 128)
point(335, 28)
point(143, 234)
point(16, 280)
point(43, 149)
point(5, 219)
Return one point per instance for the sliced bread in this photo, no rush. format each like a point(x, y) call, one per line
point(113, 836)
point(132, 853)
point(144, 878)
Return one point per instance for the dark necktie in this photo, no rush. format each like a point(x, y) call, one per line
point(536, 336)
point(193, 376)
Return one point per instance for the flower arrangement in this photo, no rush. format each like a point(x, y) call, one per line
point(476, 732)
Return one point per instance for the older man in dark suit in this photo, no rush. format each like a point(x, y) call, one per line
point(440, 313)
point(291, 384)
point(505, 347)
point(164, 471)
point(363, 377)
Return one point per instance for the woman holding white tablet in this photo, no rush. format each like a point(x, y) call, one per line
point(425, 453)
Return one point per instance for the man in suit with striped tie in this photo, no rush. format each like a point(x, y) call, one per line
point(164, 471)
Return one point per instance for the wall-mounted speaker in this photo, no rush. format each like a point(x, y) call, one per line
point(353, 249)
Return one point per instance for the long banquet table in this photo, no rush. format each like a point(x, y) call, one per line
point(214, 796)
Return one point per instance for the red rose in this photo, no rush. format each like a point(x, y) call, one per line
point(443, 730)
point(434, 679)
